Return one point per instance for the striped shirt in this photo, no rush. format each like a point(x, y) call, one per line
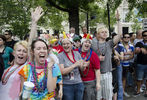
point(131, 48)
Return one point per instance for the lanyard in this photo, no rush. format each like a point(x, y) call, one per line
point(72, 56)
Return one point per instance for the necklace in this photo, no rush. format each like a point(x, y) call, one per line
point(103, 50)
point(72, 56)
point(8, 73)
point(88, 55)
point(40, 86)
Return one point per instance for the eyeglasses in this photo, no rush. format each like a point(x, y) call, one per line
point(144, 35)
point(126, 37)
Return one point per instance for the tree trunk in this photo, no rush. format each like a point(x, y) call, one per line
point(74, 19)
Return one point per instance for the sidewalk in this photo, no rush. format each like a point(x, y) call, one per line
point(131, 91)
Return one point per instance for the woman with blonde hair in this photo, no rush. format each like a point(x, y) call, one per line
point(11, 78)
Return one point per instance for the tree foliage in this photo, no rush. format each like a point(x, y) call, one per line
point(15, 15)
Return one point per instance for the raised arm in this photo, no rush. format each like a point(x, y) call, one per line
point(35, 16)
point(117, 38)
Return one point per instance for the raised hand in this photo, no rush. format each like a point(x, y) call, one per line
point(117, 16)
point(36, 14)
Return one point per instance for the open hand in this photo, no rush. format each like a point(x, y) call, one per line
point(36, 14)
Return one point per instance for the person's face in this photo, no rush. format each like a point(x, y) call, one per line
point(72, 30)
point(7, 35)
point(77, 43)
point(20, 55)
point(139, 35)
point(103, 34)
point(40, 52)
point(126, 38)
point(145, 36)
point(86, 45)
point(84, 30)
point(67, 46)
point(1, 42)
point(133, 36)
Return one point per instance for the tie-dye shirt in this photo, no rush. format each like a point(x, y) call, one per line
point(26, 72)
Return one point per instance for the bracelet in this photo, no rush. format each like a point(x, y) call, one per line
point(51, 95)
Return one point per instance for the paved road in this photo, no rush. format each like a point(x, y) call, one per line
point(131, 91)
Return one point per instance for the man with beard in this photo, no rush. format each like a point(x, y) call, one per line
point(91, 74)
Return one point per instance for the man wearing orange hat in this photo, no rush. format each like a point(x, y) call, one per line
point(91, 74)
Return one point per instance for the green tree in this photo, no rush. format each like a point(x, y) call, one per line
point(15, 15)
point(72, 7)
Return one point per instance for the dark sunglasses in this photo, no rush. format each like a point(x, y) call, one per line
point(144, 35)
point(126, 37)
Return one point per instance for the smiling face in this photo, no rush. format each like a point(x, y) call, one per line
point(67, 46)
point(20, 54)
point(102, 33)
point(40, 52)
point(86, 45)
point(126, 38)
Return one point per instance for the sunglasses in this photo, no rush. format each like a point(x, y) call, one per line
point(126, 37)
point(144, 35)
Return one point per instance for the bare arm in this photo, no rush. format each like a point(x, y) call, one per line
point(60, 90)
point(117, 38)
point(51, 81)
point(130, 57)
point(67, 70)
point(21, 85)
point(35, 16)
point(121, 55)
point(98, 75)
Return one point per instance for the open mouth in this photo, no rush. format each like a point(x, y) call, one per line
point(42, 56)
point(20, 57)
point(66, 47)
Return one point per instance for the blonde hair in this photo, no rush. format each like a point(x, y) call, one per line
point(99, 30)
point(23, 43)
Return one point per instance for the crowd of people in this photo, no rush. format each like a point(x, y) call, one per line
point(73, 67)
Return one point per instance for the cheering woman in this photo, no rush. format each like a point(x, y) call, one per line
point(10, 78)
point(38, 70)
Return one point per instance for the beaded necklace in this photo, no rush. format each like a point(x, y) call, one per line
point(8, 73)
point(88, 55)
point(38, 87)
point(72, 56)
